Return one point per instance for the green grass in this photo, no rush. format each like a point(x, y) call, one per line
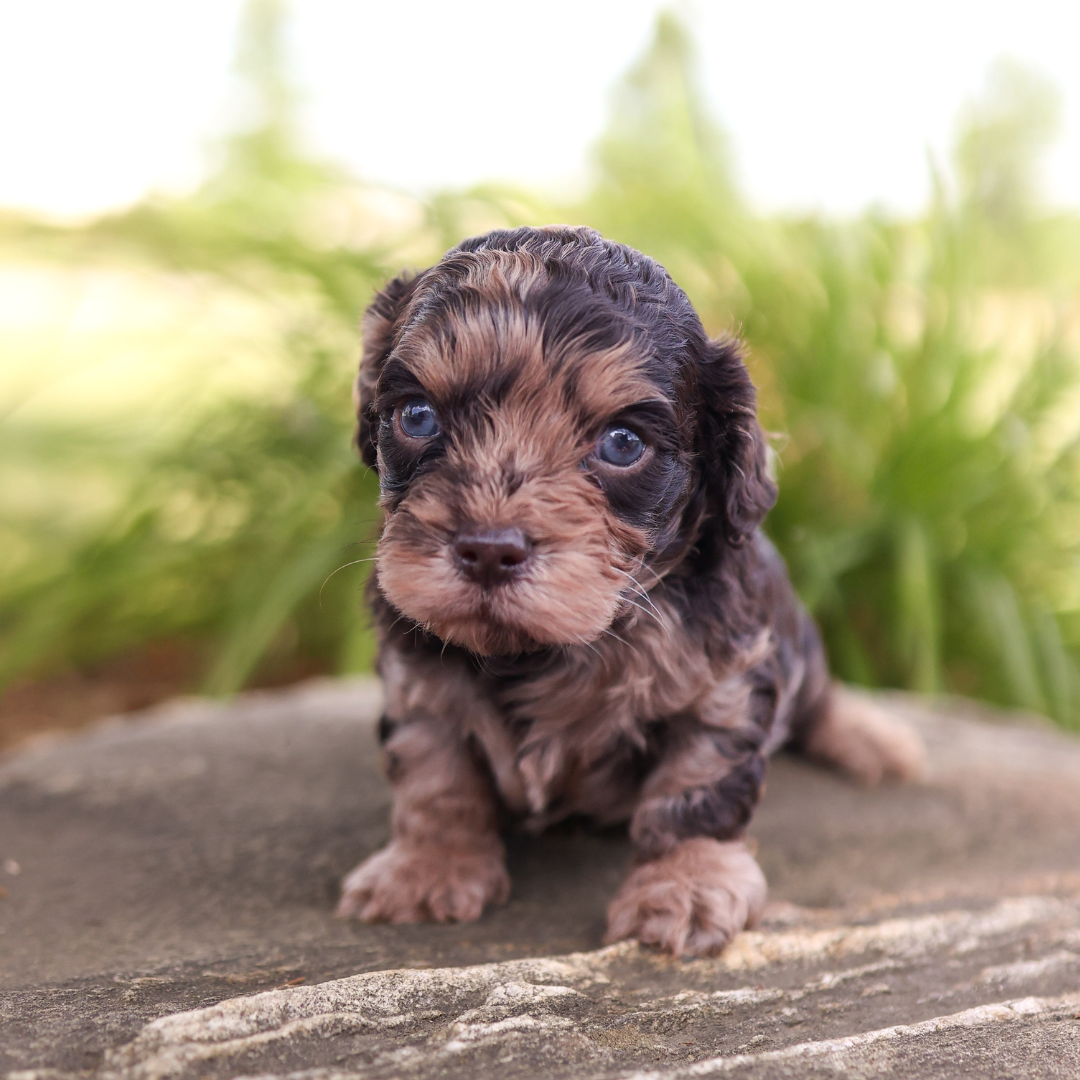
point(922, 377)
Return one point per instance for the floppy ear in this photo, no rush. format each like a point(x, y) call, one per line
point(733, 456)
point(379, 328)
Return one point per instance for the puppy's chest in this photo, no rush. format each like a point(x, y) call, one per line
point(582, 737)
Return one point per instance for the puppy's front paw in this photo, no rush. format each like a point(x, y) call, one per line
point(691, 901)
point(415, 883)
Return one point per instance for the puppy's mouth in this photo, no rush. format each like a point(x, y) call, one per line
point(497, 590)
point(497, 569)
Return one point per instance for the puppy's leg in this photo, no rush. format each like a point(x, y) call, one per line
point(691, 900)
point(445, 860)
point(848, 731)
point(696, 884)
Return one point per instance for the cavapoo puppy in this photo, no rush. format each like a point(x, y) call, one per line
point(576, 608)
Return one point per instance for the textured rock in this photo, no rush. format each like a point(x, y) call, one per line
point(172, 917)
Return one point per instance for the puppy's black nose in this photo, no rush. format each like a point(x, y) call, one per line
point(491, 556)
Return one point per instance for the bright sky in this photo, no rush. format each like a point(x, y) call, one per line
point(831, 105)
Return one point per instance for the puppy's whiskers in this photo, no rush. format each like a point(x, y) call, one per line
point(621, 640)
point(643, 594)
point(344, 566)
point(583, 642)
point(656, 578)
point(645, 611)
point(638, 590)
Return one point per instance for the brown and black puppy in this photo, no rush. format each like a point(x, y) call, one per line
point(577, 611)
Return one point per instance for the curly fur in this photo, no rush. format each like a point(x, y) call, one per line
point(649, 655)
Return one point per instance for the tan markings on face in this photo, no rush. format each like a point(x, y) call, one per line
point(498, 332)
point(518, 464)
point(570, 592)
point(609, 381)
point(463, 351)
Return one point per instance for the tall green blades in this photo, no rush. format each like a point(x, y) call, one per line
point(922, 377)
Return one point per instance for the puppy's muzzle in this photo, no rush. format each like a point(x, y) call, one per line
point(492, 557)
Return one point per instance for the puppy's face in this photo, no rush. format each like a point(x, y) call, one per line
point(534, 449)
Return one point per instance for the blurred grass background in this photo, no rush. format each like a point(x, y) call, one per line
point(180, 506)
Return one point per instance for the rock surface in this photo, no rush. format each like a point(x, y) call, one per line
point(168, 884)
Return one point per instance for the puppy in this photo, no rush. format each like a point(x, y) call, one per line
point(577, 611)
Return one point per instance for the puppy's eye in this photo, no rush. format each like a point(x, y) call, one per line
point(418, 419)
point(620, 446)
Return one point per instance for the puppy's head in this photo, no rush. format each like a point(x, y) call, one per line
point(549, 420)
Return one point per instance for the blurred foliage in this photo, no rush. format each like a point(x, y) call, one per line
point(924, 376)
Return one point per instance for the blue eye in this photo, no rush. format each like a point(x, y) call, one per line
point(620, 446)
point(418, 419)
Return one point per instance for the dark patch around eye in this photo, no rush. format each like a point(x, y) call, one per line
point(655, 421)
point(400, 459)
point(396, 464)
point(649, 496)
point(400, 464)
point(396, 383)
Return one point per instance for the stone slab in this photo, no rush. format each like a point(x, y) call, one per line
point(172, 916)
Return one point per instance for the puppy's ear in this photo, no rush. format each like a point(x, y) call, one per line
point(379, 329)
point(733, 454)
